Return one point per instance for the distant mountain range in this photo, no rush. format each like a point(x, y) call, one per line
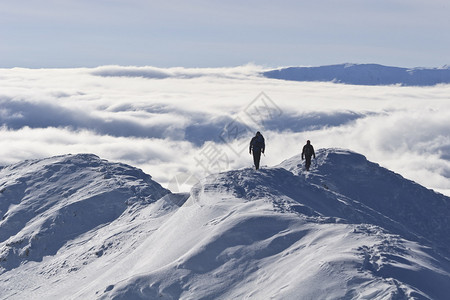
point(365, 74)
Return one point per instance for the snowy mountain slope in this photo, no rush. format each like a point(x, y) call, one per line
point(364, 74)
point(256, 242)
point(46, 203)
point(393, 202)
point(276, 233)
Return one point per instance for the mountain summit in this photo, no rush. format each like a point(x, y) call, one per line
point(79, 227)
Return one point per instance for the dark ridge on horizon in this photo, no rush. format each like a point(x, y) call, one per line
point(364, 74)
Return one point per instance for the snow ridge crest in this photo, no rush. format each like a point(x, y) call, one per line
point(44, 203)
point(348, 228)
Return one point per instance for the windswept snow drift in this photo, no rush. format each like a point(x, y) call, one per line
point(78, 227)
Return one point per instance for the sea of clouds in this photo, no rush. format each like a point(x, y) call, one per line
point(180, 124)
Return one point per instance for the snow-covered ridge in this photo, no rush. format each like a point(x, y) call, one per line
point(365, 74)
point(378, 196)
point(79, 227)
point(45, 203)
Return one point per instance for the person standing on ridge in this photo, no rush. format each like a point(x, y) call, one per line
point(257, 145)
point(308, 151)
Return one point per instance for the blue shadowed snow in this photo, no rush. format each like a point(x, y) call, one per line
point(46, 203)
point(347, 229)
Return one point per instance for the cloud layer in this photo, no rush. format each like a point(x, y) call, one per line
point(182, 123)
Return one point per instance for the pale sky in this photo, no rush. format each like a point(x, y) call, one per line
point(199, 33)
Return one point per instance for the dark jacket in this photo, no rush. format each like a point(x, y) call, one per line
point(308, 151)
point(257, 143)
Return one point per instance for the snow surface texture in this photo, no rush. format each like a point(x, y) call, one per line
point(364, 74)
point(79, 227)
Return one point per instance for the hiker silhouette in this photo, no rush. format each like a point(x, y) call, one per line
point(257, 146)
point(307, 153)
